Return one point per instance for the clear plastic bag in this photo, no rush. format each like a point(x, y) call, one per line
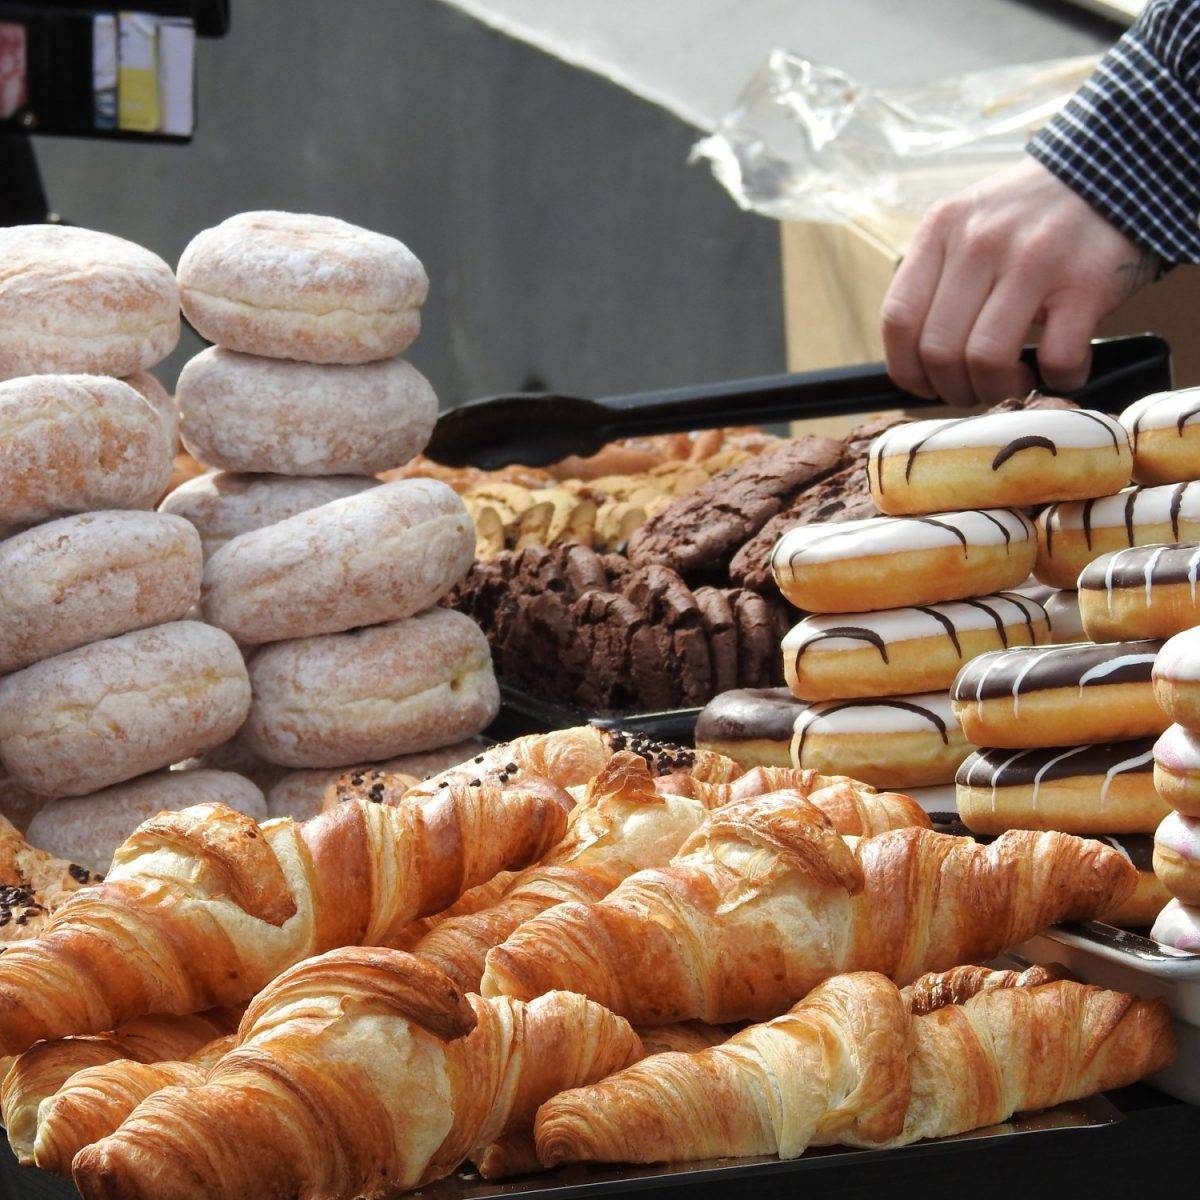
point(807, 142)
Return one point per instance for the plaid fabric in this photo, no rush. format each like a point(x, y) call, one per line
point(1128, 141)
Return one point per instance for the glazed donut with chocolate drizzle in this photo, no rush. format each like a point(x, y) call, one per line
point(1143, 592)
point(1059, 695)
point(893, 742)
point(1106, 788)
point(890, 562)
point(998, 459)
point(1165, 432)
point(1177, 769)
point(1177, 678)
point(1072, 535)
point(915, 649)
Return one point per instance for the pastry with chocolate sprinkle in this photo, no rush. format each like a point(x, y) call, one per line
point(33, 884)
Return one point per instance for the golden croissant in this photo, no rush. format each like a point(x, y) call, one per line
point(850, 1064)
point(203, 907)
point(357, 1073)
point(626, 822)
point(42, 1070)
point(765, 901)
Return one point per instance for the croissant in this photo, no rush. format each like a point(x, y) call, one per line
point(203, 907)
point(357, 1073)
point(851, 1064)
point(42, 1070)
point(765, 901)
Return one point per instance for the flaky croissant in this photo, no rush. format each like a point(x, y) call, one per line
point(203, 907)
point(42, 1070)
point(849, 1064)
point(358, 1073)
point(765, 901)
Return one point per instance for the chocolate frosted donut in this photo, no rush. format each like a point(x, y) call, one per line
point(1177, 769)
point(889, 562)
point(915, 649)
point(1072, 535)
point(1165, 436)
point(753, 726)
point(1177, 678)
point(1105, 788)
point(891, 743)
point(998, 459)
point(1143, 592)
point(1059, 695)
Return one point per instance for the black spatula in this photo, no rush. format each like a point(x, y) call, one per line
point(540, 428)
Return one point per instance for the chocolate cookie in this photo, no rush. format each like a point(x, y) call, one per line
point(720, 627)
point(606, 625)
point(758, 645)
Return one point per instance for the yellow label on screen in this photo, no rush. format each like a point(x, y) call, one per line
point(137, 100)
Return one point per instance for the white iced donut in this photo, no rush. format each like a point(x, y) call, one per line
point(1177, 856)
point(998, 459)
point(1177, 678)
point(85, 578)
point(74, 301)
point(892, 743)
point(891, 562)
point(901, 650)
point(1165, 436)
point(1178, 926)
point(241, 412)
point(1072, 535)
point(291, 285)
point(1143, 592)
point(1177, 769)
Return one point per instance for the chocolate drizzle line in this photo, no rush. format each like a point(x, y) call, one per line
point(1184, 418)
point(946, 624)
point(854, 633)
point(841, 705)
point(1000, 525)
point(1176, 505)
point(1032, 442)
point(1130, 505)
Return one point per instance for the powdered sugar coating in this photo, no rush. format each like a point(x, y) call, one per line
point(242, 412)
point(163, 403)
point(77, 301)
point(382, 555)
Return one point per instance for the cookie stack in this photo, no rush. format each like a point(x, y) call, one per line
point(905, 600)
point(328, 579)
point(103, 678)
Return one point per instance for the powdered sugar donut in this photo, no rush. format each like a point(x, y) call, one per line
point(1072, 535)
point(290, 285)
point(372, 694)
point(74, 301)
point(901, 650)
point(1177, 678)
point(753, 726)
point(382, 555)
point(1145, 592)
point(1165, 436)
point(998, 459)
point(1075, 789)
point(222, 506)
point(890, 562)
point(1178, 926)
point(81, 579)
point(1177, 856)
point(162, 402)
point(1177, 769)
point(894, 742)
point(241, 412)
point(76, 443)
point(1059, 695)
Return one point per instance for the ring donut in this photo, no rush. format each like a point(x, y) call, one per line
point(999, 460)
point(1106, 788)
point(1177, 678)
point(1143, 592)
point(1166, 441)
point(1178, 926)
point(1177, 769)
point(1059, 695)
point(1072, 535)
point(1177, 856)
point(893, 562)
point(753, 726)
point(892, 743)
point(901, 650)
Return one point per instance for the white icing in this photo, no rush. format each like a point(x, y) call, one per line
point(1100, 670)
point(1151, 506)
point(1041, 771)
point(1179, 833)
point(831, 541)
point(855, 717)
point(1178, 925)
point(1073, 428)
point(1179, 659)
point(909, 624)
point(1178, 749)
point(1148, 572)
point(1066, 624)
point(1161, 410)
point(1128, 764)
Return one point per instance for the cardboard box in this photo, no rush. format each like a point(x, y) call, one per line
point(835, 278)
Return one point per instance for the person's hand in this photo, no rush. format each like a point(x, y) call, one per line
point(1016, 250)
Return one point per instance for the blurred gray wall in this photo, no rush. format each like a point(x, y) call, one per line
point(567, 241)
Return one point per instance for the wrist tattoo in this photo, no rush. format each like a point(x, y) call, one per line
point(1146, 268)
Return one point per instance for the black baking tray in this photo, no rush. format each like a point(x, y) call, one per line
point(1123, 370)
